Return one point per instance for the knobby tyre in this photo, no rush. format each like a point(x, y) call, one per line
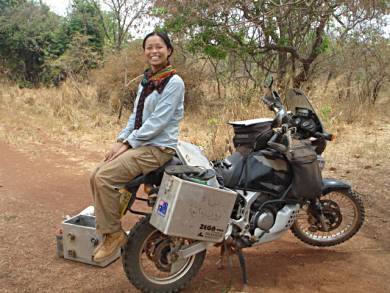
point(146, 262)
point(344, 211)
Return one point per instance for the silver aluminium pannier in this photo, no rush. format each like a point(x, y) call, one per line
point(191, 210)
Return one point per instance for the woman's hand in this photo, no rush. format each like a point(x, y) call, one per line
point(116, 149)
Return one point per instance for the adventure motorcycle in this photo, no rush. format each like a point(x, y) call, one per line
point(275, 174)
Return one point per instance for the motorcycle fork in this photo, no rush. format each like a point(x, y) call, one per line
point(316, 210)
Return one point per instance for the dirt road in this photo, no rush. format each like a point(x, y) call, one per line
point(36, 191)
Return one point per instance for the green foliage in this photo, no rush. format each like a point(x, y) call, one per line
point(84, 19)
point(325, 112)
point(76, 62)
point(37, 45)
point(323, 47)
point(177, 23)
point(285, 38)
point(213, 122)
point(326, 44)
point(283, 41)
point(210, 42)
point(10, 3)
point(29, 35)
point(215, 52)
point(158, 11)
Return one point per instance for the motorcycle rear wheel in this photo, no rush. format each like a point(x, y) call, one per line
point(146, 261)
point(344, 213)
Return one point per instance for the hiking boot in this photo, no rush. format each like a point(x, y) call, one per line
point(109, 246)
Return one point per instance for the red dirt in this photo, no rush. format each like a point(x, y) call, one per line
point(36, 192)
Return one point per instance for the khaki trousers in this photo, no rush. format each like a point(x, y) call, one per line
point(110, 175)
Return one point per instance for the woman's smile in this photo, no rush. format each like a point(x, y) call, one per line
point(156, 57)
point(156, 53)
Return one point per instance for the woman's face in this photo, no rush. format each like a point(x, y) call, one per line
point(156, 52)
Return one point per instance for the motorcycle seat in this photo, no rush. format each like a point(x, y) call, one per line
point(191, 171)
point(153, 178)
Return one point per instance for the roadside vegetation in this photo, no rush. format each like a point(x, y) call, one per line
point(67, 86)
point(73, 78)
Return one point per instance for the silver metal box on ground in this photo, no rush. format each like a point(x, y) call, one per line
point(80, 239)
point(191, 210)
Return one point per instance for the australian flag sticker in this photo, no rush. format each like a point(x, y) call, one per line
point(162, 208)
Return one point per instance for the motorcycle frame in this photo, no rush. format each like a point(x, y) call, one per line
point(329, 185)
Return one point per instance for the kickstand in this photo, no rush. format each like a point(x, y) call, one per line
point(242, 266)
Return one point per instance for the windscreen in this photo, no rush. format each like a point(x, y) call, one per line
point(296, 99)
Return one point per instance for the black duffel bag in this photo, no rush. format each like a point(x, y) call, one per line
point(253, 136)
point(307, 178)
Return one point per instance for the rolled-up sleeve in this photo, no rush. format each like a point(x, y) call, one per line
point(161, 116)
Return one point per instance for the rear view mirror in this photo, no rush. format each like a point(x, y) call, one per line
point(268, 101)
point(272, 99)
point(277, 98)
point(268, 81)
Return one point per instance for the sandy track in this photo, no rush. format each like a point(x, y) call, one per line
point(35, 193)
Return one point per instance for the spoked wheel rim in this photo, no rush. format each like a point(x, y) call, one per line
point(341, 214)
point(156, 262)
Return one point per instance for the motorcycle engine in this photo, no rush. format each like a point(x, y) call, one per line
point(263, 219)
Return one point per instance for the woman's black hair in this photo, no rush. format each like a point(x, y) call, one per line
point(163, 36)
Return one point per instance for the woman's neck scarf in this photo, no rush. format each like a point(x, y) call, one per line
point(150, 82)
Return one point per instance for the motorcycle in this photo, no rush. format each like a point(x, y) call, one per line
point(275, 174)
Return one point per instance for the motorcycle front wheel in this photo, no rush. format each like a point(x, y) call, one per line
point(343, 212)
point(149, 260)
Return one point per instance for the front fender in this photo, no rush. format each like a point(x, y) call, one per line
point(329, 185)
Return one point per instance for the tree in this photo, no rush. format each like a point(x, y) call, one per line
point(84, 19)
point(29, 35)
point(76, 62)
point(361, 81)
point(284, 37)
point(10, 3)
point(124, 15)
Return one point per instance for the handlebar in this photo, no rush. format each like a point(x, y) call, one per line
point(273, 102)
point(325, 135)
point(277, 146)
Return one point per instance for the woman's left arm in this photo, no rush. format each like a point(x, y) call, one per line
point(163, 113)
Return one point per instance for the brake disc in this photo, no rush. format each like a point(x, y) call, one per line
point(161, 253)
point(332, 214)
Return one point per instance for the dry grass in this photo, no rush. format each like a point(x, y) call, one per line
point(55, 114)
point(117, 81)
point(70, 121)
point(71, 115)
point(208, 127)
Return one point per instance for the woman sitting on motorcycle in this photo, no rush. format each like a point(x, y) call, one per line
point(146, 143)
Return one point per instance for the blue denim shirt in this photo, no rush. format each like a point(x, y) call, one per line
point(160, 119)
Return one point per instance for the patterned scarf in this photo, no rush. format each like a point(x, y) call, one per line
point(150, 82)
